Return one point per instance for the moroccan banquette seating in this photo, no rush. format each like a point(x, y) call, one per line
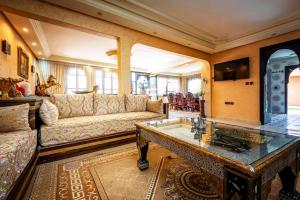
point(17, 147)
point(67, 119)
point(86, 116)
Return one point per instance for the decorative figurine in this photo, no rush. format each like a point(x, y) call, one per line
point(6, 84)
point(198, 127)
point(41, 89)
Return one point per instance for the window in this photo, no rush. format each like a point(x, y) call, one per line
point(166, 85)
point(194, 85)
point(76, 80)
point(133, 83)
point(107, 81)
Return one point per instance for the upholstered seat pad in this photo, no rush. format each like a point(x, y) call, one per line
point(77, 128)
point(16, 150)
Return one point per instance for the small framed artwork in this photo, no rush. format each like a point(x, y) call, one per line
point(23, 63)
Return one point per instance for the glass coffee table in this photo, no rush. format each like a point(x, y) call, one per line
point(241, 162)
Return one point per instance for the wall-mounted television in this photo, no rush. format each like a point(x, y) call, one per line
point(232, 70)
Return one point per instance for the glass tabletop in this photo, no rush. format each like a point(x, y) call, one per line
point(241, 144)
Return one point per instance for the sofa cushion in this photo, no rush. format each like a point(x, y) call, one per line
point(77, 128)
point(155, 106)
point(136, 103)
point(16, 150)
point(14, 118)
point(73, 105)
point(48, 113)
point(108, 104)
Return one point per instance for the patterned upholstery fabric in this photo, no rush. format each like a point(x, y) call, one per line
point(14, 118)
point(16, 150)
point(136, 103)
point(108, 104)
point(73, 105)
point(48, 113)
point(155, 106)
point(77, 128)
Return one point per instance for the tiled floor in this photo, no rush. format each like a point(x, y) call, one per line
point(284, 123)
point(289, 124)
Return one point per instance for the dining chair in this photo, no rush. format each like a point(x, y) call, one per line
point(180, 102)
point(172, 101)
point(192, 103)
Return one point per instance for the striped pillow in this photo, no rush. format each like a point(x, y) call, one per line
point(14, 118)
point(48, 113)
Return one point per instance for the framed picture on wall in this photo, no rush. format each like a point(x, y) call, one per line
point(23, 63)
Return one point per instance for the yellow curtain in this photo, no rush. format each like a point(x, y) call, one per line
point(58, 70)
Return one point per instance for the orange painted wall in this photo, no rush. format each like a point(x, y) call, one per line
point(294, 91)
point(246, 98)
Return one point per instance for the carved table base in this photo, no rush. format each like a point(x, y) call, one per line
point(142, 146)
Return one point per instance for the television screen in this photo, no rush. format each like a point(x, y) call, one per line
point(232, 70)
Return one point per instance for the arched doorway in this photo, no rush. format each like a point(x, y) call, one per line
point(276, 80)
point(276, 64)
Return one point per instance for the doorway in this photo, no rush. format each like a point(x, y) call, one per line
point(277, 87)
point(293, 90)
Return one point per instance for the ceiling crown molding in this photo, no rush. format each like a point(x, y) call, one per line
point(38, 29)
point(136, 15)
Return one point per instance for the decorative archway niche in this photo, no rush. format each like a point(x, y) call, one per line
point(275, 63)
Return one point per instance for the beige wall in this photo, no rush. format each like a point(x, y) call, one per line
point(246, 98)
point(8, 63)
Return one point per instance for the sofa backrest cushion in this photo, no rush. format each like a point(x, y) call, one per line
point(108, 104)
point(73, 105)
point(155, 106)
point(48, 113)
point(136, 103)
point(14, 118)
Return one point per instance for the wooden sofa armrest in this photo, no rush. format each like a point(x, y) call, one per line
point(166, 109)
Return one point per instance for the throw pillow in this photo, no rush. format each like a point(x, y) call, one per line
point(14, 118)
point(155, 106)
point(48, 113)
point(73, 105)
point(108, 104)
point(136, 103)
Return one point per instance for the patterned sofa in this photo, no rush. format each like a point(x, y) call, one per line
point(87, 116)
point(17, 146)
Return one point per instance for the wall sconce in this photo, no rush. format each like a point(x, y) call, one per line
point(32, 69)
point(6, 47)
point(205, 81)
point(112, 54)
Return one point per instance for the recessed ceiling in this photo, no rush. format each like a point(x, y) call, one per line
point(54, 42)
point(153, 60)
point(207, 25)
point(57, 43)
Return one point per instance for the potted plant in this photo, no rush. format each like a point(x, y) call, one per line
point(201, 95)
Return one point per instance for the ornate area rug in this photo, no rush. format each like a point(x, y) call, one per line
point(113, 174)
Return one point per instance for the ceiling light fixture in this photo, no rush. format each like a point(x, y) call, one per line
point(33, 44)
point(40, 53)
point(25, 30)
point(112, 54)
